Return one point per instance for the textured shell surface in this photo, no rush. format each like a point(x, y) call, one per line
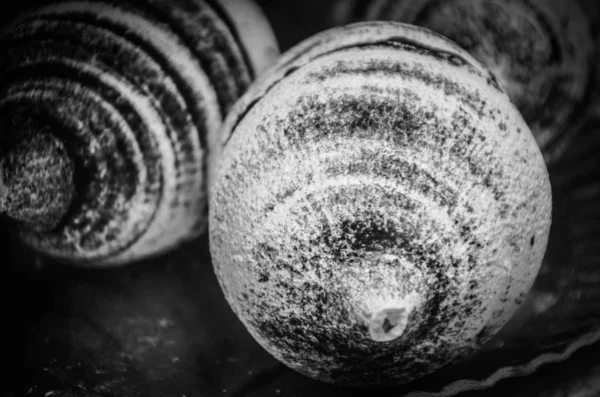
point(134, 92)
point(381, 208)
point(540, 51)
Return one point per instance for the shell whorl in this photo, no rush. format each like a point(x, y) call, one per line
point(381, 207)
point(135, 92)
point(540, 51)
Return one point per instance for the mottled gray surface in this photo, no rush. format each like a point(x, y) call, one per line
point(384, 171)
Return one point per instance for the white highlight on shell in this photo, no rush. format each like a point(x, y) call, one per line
point(388, 323)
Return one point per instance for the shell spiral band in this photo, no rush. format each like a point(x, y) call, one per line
point(381, 207)
point(108, 113)
point(540, 50)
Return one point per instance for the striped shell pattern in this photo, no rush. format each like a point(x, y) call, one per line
point(123, 100)
point(540, 50)
point(381, 208)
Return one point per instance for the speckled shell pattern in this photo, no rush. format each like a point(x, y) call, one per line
point(377, 170)
point(135, 91)
point(540, 51)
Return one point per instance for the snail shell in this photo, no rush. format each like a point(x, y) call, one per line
point(540, 51)
point(381, 207)
point(108, 112)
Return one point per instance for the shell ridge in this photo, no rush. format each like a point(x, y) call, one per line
point(465, 385)
point(390, 42)
point(221, 11)
point(93, 73)
point(148, 48)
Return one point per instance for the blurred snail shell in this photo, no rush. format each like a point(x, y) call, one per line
point(381, 208)
point(108, 112)
point(540, 51)
point(591, 9)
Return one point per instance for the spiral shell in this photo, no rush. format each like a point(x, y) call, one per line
point(381, 207)
point(540, 51)
point(131, 96)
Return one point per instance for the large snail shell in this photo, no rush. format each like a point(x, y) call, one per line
point(381, 207)
point(540, 51)
point(131, 95)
